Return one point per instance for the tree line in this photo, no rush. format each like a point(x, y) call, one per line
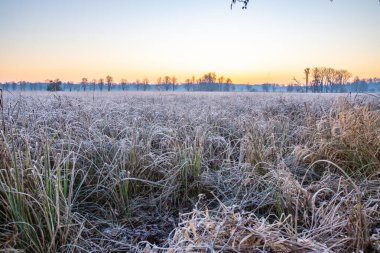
point(328, 80)
point(208, 82)
point(316, 80)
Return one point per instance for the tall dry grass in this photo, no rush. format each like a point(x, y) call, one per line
point(176, 172)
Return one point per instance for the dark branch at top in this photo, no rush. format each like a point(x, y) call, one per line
point(245, 3)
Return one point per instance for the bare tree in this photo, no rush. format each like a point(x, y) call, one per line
point(166, 82)
point(316, 74)
point(123, 84)
point(109, 80)
point(159, 83)
point(138, 84)
point(228, 85)
point(70, 85)
point(329, 76)
point(209, 78)
point(101, 84)
point(22, 85)
point(220, 82)
point(54, 85)
point(360, 85)
point(208, 81)
point(84, 83)
point(329, 80)
point(174, 82)
point(344, 76)
point(93, 84)
point(188, 84)
point(307, 73)
point(145, 83)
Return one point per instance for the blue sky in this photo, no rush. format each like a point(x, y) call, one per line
point(271, 41)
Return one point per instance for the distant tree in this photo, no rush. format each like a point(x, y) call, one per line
point(174, 82)
point(342, 77)
point(93, 84)
point(138, 84)
point(266, 87)
point(290, 88)
point(70, 85)
point(6, 86)
point(327, 79)
point(159, 83)
point(109, 80)
point(208, 82)
point(210, 78)
point(359, 85)
point(317, 76)
point(23, 85)
point(274, 87)
point(54, 85)
point(101, 84)
point(188, 84)
point(307, 73)
point(355, 84)
point(228, 85)
point(220, 82)
point(84, 83)
point(197, 84)
point(166, 82)
point(32, 86)
point(345, 76)
point(145, 83)
point(249, 88)
point(123, 84)
point(14, 85)
point(293, 86)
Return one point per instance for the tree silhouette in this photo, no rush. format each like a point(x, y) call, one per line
point(220, 81)
point(123, 83)
point(54, 85)
point(159, 83)
point(174, 82)
point(109, 80)
point(93, 83)
point(307, 72)
point(137, 84)
point(188, 84)
point(84, 83)
point(327, 79)
point(166, 82)
point(145, 84)
point(101, 84)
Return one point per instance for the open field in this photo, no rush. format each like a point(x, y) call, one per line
point(189, 172)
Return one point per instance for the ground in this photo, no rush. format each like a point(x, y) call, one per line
point(203, 172)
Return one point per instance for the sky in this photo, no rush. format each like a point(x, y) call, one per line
point(271, 41)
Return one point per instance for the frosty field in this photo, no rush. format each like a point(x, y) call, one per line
point(189, 172)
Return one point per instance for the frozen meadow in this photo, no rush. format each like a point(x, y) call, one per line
point(189, 172)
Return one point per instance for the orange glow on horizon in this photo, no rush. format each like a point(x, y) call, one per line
point(271, 42)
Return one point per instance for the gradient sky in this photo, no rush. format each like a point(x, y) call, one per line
point(271, 41)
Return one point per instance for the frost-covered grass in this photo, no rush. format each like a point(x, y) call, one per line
point(203, 172)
